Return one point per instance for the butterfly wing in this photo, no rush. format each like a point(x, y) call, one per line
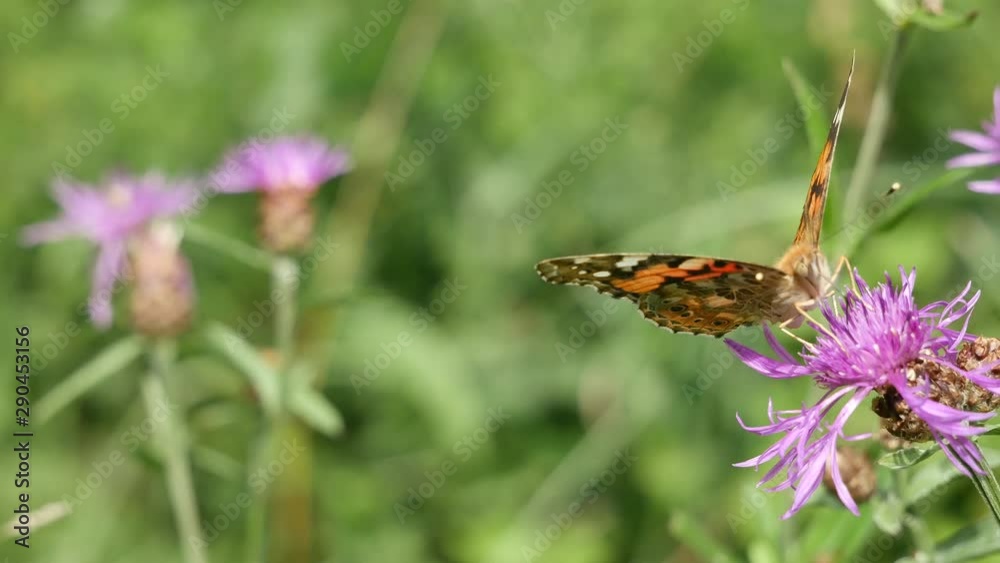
point(685, 294)
point(812, 212)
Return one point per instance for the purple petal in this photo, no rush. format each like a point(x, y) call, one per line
point(765, 365)
point(978, 141)
point(49, 231)
point(985, 186)
point(974, 159)
point(109, 266)
point(777, 347)
point(996, 105)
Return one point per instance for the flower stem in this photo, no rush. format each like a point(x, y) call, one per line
point(984, 480)
point(285, 283)
point(284, 291)
point(180, 485)
point(878, 123)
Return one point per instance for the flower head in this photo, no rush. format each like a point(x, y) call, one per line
point(109, 216)
point(286, 163)
point(986, 144)
point(162, 299)
point(877, 339)
point(287, 171)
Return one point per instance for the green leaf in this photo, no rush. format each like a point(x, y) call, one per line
point(217, 463)
point(696, 537)
point(897, 10)
point(946, 21)
point(235, 249)
point(908, 457)
point(109, 362)
point(888, 514)
point(246, 359)
point(312, 406)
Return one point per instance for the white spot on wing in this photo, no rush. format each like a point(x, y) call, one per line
point(759, 276)
point(629, 262)
point(581, 260)
point(602, 274)
point(693, 264)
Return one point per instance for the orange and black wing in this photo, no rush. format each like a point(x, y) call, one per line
point(811, 223)
point(686, 294)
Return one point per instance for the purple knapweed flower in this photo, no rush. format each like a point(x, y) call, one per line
point(874, 340)
point(109, 216)
point(986, 144)
point(287, 172)
point(286, 163)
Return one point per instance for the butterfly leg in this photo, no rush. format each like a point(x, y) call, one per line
point(841, 263)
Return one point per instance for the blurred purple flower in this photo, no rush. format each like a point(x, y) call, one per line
point(301, 163)
point(873, 338)
point(987, 146)
point(108, 217)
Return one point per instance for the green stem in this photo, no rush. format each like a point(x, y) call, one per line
point(985, 482)
point(284, 285)
point(180, 485)
point(878, 123)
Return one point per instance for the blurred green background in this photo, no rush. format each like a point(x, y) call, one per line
point(474, 214)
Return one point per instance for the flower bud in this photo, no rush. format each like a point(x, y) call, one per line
point(857, 471)
point(162, 298)
point(286, 220)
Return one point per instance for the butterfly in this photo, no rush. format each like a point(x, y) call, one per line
point(713, 296)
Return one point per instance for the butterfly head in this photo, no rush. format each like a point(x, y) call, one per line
point(809, 280)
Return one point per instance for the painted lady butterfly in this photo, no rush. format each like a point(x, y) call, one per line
point(711, 296)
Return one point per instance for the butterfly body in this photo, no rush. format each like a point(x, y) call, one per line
point(714, 296)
